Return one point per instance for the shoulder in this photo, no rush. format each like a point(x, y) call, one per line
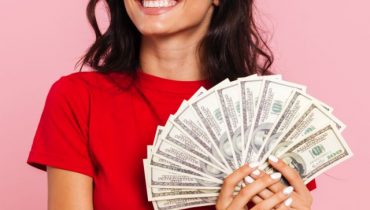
point(90, 81)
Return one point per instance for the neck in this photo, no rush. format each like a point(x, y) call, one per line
point(171, 57)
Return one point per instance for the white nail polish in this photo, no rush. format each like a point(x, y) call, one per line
point(253, 165)
point(288, 202)
point(249, 179)
point(275, 176)
point(256, 172)
point(288, 190)
point(273, 158)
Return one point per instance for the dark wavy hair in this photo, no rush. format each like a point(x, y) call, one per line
point(233, 46)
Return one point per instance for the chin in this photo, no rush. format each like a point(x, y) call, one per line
point(165, 17)
point(157, 29)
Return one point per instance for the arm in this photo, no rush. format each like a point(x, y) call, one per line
point(69, 190)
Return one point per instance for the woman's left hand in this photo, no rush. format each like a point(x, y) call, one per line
point(301, 196)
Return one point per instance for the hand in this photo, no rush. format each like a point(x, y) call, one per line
point(227, 200)
point(301, 197)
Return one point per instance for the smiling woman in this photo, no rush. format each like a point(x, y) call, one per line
point(95, 126)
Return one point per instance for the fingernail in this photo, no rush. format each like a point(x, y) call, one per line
point(273, 158)
point(288, 190)
point(288, 201)
point(275, 175)
point(249, 179)
point(256, 172)
point(253, 165)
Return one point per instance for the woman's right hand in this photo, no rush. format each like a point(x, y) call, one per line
point(228, 201)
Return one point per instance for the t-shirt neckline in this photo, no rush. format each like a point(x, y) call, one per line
point(146, 80)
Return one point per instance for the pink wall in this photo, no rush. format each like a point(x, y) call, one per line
point(323, 44)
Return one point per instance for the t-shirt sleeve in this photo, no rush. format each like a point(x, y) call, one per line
point(61, 138)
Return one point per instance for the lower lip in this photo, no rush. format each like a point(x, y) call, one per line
point(154, 10)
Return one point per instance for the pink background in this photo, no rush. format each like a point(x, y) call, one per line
point(322, 44)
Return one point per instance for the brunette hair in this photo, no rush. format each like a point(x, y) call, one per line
point(233, 46)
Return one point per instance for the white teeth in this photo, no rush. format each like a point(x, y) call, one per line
point(157, 4)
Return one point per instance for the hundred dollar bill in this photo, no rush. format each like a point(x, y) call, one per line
point(158, 161)
point(208, 110)
point(273, 97)
point(181, 187)
point(162, 178)
point(313, 118)
point(177, 137)
point(156, 176)
point(168, 193)
point(176, 154)
point(184, 203)
point(229, 99)
point(157, 133)
point(186, 120)
point(249, 92)
point(316, 153)
point(296, 106)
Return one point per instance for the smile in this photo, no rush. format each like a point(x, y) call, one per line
point(157, 7)
point(158, 3)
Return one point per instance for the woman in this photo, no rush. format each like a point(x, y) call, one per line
point(95, 126)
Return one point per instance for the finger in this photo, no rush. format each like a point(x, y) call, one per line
point(266, 193)
point(277, 187)
point(252, 189)
point(231, 181)
point(277, 199)
point(286, 205)
point(290, 174)
point(256, 199)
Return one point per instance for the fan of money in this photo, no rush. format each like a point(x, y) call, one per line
point(218, 130)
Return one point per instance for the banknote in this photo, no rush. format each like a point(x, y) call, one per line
point(176, 154)
point(229, 99)
point(162, 178)
point(160, 162)
point(217, 130)
point(184, 203)
point(180, 191)
point(249, 94)
point(314, 117)
point(297, 104)
point(158, 132)
point(316, 153)
point(208, 110)
point(273, 97)
point(186, 121)
point(175, 136)
point(172, 166)
point(173, 193)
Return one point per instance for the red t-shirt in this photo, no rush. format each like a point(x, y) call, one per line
point(100, 124)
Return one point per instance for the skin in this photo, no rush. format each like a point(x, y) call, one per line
point(169, 41)
point(169, 50)
point(264, 192)
point(69, 190)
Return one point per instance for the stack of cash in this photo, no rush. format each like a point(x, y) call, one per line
point(236, 122)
